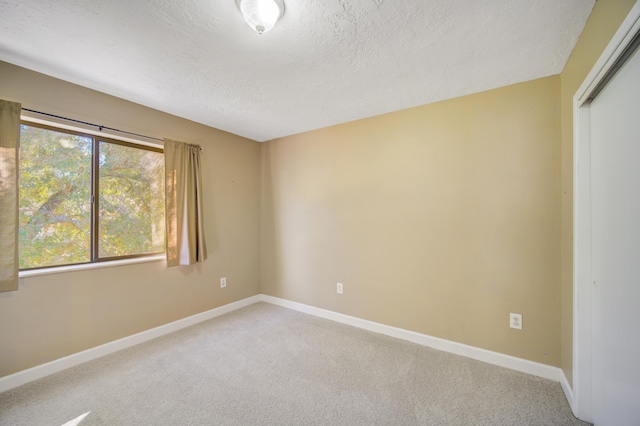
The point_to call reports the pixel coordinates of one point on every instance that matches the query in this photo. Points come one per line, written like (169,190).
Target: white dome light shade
(261,15)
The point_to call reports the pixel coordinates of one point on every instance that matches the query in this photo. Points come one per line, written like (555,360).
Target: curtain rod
(95,125)
(100,127)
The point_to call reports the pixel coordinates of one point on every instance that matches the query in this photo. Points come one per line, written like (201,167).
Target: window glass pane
(131,202)
(55,198)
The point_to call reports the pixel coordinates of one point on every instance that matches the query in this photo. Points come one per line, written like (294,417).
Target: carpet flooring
(267,365)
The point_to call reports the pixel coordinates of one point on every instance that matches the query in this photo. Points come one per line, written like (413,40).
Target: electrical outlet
(339,288)
(223,282)
(515,321)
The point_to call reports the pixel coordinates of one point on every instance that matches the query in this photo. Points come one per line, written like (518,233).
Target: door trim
(582,277)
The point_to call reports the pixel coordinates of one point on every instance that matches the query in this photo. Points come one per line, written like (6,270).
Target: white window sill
(71,268)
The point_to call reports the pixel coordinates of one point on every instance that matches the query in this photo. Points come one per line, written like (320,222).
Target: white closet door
(615,186)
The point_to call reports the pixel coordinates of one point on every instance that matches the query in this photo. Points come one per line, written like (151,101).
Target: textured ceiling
(326,62)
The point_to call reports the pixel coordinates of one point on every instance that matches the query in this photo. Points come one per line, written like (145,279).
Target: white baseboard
(40,371)
(507,361)
(568,392)
(502,360)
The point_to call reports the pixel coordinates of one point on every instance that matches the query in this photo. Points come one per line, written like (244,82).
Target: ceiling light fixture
(261,15)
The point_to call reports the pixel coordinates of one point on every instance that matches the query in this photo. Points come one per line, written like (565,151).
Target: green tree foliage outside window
(131,201)
(61,173)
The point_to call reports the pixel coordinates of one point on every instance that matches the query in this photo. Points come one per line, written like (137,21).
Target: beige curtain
(9,149)
(183,200)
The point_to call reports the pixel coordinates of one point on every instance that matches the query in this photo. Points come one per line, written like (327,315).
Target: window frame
(94,259)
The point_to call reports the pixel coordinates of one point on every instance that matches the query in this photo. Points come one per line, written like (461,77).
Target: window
(85,198)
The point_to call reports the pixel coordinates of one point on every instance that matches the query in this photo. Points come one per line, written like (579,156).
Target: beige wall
(55,315)
(440,219)
(606,17)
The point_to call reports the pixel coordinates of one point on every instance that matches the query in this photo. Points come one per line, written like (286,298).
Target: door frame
(582,274)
